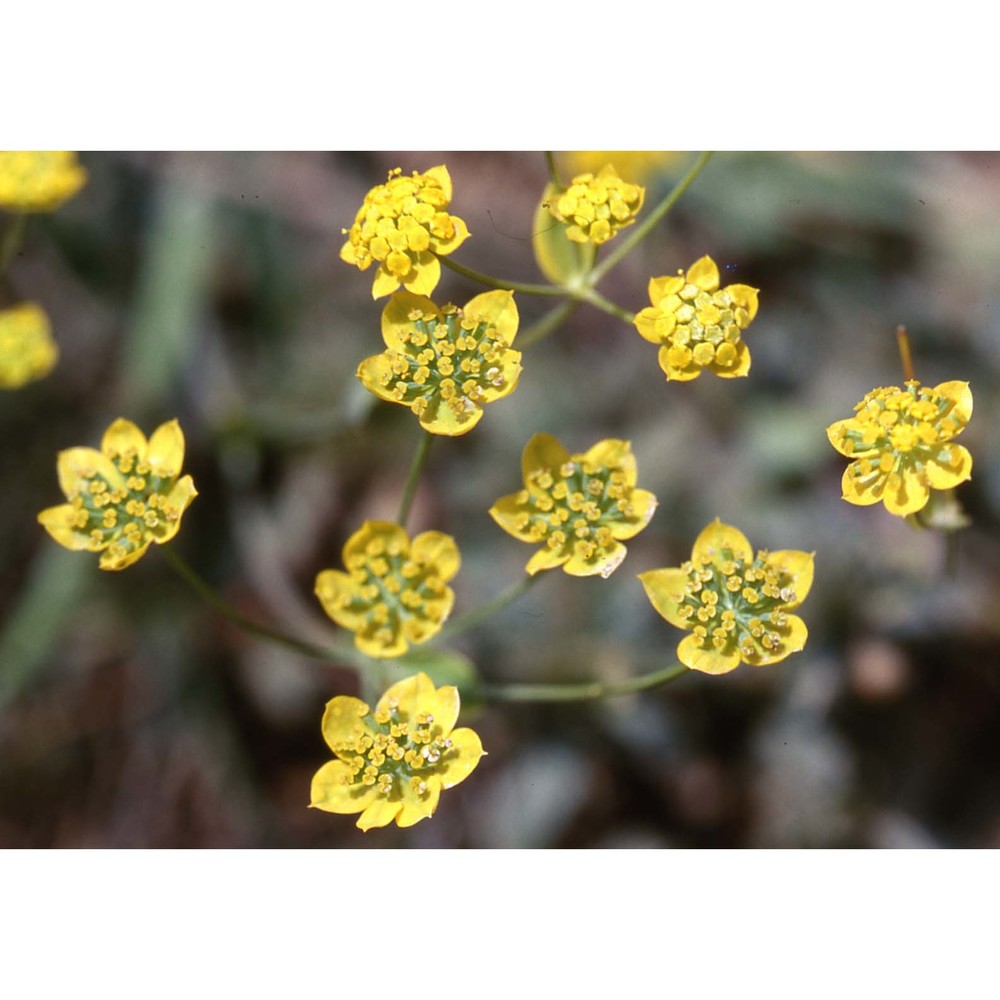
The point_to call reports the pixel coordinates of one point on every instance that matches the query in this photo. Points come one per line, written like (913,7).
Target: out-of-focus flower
(27,350)
(391,764)
(900,443)
(445,364)
(698,324)
(38,181)
(596,206)
(394,591)
(403,226)
(580,507)
(123,497)
(737,605)
(638,163)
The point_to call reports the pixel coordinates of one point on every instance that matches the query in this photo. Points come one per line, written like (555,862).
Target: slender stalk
(515,286)
(577,692)
(413,477)
(606,305)
(550,322)
(904,353)
(13,237)
(643,228)
(490,607)
(333,654)
(550,162)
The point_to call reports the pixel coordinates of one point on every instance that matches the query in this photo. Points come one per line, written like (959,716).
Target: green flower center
(395,753)
(731,604)
(392,591)
(452,362)
(124,518)
(570,508)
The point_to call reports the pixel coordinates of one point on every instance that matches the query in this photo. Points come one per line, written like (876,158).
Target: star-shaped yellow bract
(596,206)
(124,497)
(394,591)
(27,350)
(392,764)
(580,507)
(403,226)
(738,605)
(900,445)
(38,181)
(445,364)
(698,324)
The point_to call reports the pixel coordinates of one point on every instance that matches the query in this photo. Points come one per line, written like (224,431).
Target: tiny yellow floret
(38,181)
(123,497)
(404,227)
(698,325)
(737,605)
(27,350)
(445,364)
(596,206)
(900,445)
(394,591)
(392,764)
(579,507)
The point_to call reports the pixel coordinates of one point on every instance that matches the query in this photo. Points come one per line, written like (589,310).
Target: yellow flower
(579,506)
(38,181)
(393,763)
(900,443)
(404,227)
(597,206)
(637,163)
(445,364)
(27,350)
(737,605)
(394,591)
(698,324)
(124,496)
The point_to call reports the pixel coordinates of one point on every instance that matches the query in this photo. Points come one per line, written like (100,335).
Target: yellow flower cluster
(38,181)
(404,227)
(27,350)
(596,207)
(445,364)
(580,506)
(900,445)
(698,324)
(637,163)
(123,497)
(737,605)
(393,763)
(394,591)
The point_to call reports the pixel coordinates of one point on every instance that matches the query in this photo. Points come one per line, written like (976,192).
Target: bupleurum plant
(445,364)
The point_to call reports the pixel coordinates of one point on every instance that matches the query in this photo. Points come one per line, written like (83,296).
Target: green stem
(551,321)
(485,610)
(550,162)
(333,654)
(595,298)
(515,286)
(643,228)
(13,237)
(577,692)
(416,468)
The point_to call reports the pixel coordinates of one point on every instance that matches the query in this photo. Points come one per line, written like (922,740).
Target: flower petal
(370,373)
(333,790)
(385,282)
(461,761)
(435,548)
(343,722)
(708,661)
(509,512)
(497,309)
(442,419)
(705,274)
(460,235)
(165,454)
(606,562)
(396,317)
(75,465)
(112,560)
(793,638)
(381,811)
(643,505)
(718,542)
(947,475)
(441,175)
(666,590)
(796,569)
(425,274)
(417,807)
(123,436)
(543,451)
(645,323)
(335,591)
(409,696)
(389,534)
(545,559)
(613,454)
(660,288)
(745,296)
(179,497)
(60,522)
(736,370)
(907,496)
(837,435)
(960,396)
(858,492)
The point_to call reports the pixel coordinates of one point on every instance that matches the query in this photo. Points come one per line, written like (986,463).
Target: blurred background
(208,287)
